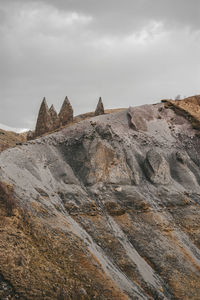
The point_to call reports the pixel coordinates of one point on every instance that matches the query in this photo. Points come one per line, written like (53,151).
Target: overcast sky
(130,52)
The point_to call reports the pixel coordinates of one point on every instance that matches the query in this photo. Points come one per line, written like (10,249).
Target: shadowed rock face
(66,112)
(105,209)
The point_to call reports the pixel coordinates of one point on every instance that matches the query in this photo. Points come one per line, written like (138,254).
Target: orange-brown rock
(10,139)
(100,108)
(66,112)
(188,107)
(44,121)
(54,118)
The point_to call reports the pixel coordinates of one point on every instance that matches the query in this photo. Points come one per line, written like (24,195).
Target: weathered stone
(100,108)
(30,135)
(66,112)
(121,241)
(44,121)
(157,168)
(54,117)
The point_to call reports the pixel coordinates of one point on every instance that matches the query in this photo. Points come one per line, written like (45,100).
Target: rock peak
(66,112)
(66,99)
(54,118)
(44,122)
(52,109)
(100,108)
(44,103)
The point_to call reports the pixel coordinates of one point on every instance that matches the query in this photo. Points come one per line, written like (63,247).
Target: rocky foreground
(108,208)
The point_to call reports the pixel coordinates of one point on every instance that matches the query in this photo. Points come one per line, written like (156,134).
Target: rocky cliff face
(105,209)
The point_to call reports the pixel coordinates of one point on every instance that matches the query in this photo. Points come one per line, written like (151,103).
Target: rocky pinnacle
(44,122)
(100,108)
(54,117)
(66,112)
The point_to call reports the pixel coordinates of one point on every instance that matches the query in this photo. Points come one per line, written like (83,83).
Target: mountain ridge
(107,208)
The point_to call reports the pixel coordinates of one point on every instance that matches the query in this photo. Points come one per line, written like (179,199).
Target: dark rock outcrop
(66,112)
(100,108)
(44,121)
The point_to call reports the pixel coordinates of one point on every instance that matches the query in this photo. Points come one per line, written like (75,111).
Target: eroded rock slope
(105,209)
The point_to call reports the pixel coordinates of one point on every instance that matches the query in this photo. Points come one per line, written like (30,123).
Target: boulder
(156,168)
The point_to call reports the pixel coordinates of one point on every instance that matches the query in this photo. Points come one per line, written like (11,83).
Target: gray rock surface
(157,168)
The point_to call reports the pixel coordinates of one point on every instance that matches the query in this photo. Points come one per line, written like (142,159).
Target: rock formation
(54,118)
(48,120)
(103,210)
(100,108)
(44,122)
(188,107)
(30,135)
(66,112)
(157,168)
(10,139)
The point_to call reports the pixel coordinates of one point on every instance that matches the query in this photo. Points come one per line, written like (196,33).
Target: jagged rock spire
(100,108)
(66,112)
(44,122)
(54,118)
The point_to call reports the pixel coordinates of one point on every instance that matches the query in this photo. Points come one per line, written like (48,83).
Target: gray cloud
(129,52)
